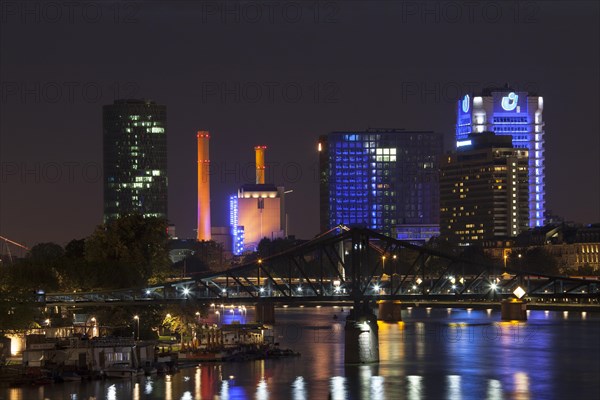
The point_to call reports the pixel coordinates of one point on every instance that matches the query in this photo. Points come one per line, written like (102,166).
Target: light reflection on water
(464,354)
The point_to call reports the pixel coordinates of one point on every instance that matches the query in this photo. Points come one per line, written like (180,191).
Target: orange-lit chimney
(203,186)
(260,164)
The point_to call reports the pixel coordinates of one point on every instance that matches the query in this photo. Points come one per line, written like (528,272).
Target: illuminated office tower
(484,191)
(135,159)
(379,178)
(516,114)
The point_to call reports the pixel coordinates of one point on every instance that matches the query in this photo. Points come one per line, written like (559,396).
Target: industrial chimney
(260,164)
(203,186)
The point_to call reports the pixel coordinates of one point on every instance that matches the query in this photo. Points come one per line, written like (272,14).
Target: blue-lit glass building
(505,111)
(379,178)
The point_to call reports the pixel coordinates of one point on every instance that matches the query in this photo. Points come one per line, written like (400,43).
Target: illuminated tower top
(260,164)
(506,111)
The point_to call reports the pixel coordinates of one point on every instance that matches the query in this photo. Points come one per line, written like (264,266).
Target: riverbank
(478,305)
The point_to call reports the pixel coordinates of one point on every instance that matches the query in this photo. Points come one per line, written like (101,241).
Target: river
(433,354)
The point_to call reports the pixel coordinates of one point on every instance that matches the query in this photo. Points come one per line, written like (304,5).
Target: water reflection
(136,391)
(461,355)
(168,387)
(414,387)
(494,390)
(298,389)
(262,391)
(521,386)
(148,387)
(454,391)
(338,388)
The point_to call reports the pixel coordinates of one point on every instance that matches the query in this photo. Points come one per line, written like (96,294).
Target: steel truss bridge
(350,264)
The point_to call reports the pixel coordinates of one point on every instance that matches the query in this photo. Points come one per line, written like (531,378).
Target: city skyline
(299,199)
(416,88)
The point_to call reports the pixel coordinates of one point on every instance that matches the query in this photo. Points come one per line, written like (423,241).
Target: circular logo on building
(509,102)
(466,103)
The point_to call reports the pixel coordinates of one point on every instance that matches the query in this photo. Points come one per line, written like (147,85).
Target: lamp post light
(137,318)
(93,319)
(493,288)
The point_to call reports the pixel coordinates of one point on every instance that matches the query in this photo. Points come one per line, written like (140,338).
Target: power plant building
(517,114)
(135,159)
(257,211)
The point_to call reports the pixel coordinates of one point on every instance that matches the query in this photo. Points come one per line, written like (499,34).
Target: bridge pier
(265,313)
(514,310)
(361,336)
(389,310)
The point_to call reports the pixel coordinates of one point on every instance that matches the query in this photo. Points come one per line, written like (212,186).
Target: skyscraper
(135,159)
(505,111)
(379,178)
(484,191)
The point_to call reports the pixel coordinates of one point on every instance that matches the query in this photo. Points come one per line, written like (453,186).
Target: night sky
(278,74)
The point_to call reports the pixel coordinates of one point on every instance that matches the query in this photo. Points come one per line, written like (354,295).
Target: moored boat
(120,370)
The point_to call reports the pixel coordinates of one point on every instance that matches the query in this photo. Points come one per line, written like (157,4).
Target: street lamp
(93,319)
(137,318)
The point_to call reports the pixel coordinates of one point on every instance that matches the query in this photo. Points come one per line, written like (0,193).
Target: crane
(7,241)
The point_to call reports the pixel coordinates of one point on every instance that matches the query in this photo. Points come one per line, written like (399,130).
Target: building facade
(135,159)
(484,191)
(260,213)
(379,178)
(505,111)
(257,211)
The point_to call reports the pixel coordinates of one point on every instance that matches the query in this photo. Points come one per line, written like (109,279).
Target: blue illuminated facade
(505,111)
(379,178)
(237,232)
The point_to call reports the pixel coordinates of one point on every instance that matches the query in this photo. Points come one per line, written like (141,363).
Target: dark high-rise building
(379,178)
(135,159)
(484,190)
